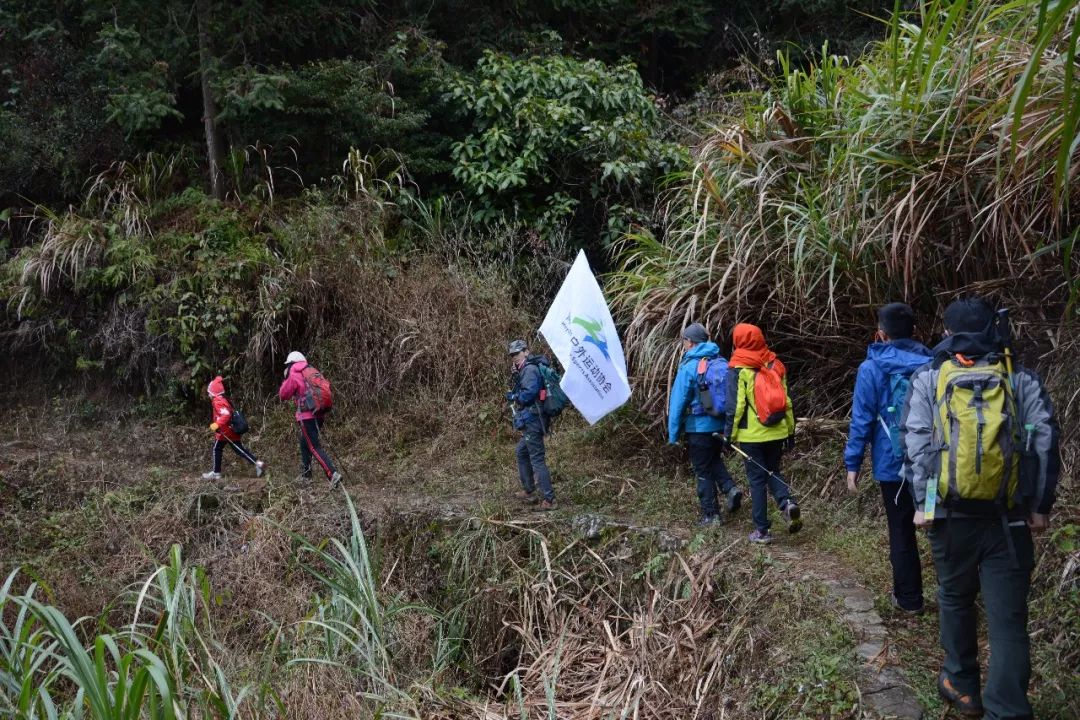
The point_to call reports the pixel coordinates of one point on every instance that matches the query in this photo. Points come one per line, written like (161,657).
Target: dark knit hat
(695,333)
(897,320)
(969,315)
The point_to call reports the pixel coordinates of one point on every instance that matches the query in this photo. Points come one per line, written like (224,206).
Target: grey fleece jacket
(1034,406)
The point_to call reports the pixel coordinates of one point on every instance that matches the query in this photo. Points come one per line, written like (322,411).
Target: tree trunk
(206,70)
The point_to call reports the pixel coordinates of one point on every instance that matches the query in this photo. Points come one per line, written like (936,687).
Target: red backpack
(770,398)
(318,397)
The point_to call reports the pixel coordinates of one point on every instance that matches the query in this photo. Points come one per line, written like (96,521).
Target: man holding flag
(525,401)
(579,329)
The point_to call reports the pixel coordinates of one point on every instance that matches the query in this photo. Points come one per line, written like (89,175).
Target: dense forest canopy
(83,84)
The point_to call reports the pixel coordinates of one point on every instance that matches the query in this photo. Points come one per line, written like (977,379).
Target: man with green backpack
(535,400)
(981,453)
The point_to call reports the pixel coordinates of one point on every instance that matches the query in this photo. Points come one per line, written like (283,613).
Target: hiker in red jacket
(223,432)
(311,392)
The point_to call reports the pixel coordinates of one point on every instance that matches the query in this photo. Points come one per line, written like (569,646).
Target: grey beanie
(695,333)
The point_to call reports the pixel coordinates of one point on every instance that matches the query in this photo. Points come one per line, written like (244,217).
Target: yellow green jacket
(742,420)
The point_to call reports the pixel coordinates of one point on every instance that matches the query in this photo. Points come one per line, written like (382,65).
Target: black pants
(903,547)
(972,556)
(765,479)
(712,475)
(532,465)
(219,447)
(310,447)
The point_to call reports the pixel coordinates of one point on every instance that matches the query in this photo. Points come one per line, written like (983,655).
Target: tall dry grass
(933,166)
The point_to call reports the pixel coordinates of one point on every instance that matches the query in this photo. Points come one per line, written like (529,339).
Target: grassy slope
(94,499)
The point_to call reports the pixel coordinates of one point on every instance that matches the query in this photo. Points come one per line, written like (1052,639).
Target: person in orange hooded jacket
(223,432)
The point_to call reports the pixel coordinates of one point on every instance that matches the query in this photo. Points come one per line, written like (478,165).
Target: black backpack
(238,422)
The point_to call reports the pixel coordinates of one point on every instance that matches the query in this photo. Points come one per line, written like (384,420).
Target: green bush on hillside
(554,136)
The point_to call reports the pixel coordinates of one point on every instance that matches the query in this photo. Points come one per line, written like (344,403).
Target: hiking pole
(745,456)
(333,454)
(1005,330)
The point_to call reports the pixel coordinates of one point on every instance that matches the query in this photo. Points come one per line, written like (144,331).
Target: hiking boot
(211,476)
(966,705)
(260,468)
(760,538)
(896,604)
(793,515)
(526,496)
(734,499)
(710,520)
(335,480)
(547,505)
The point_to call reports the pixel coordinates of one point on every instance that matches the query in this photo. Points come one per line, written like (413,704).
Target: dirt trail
(883,684)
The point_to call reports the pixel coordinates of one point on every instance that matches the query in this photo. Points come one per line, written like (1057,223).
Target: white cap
(295,357)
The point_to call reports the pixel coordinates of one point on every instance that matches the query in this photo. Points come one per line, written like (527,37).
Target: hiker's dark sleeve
(680,395)
(531,383)
(1037,410)
(863,415)
(731,402)
(917,433)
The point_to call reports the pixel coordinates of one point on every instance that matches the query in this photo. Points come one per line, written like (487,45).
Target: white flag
(579,329)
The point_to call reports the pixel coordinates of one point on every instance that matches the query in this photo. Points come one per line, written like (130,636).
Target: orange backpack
(770,398)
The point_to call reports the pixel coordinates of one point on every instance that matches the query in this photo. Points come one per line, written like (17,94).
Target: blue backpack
(712,385)
(899,383)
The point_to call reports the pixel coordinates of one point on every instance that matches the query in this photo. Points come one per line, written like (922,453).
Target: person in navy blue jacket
(880,391)
(530,421)
(687,416)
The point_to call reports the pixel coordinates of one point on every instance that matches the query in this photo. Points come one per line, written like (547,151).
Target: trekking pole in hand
(745,456)
(329,448)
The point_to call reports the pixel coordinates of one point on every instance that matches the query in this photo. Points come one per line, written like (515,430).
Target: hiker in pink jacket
(311,391)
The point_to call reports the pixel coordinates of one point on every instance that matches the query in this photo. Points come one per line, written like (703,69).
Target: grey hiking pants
(532,466)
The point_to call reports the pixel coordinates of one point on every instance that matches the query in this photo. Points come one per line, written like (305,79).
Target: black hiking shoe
(910,611)
(734,499)
(794,516)
(966,705)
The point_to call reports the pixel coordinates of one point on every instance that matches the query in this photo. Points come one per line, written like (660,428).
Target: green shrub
(553,134)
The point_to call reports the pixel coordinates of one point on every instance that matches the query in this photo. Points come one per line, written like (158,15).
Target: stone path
(883,686)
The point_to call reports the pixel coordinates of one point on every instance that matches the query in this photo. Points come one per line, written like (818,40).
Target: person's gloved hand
(214,427)
(725,444)
(789,443)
